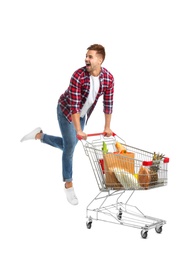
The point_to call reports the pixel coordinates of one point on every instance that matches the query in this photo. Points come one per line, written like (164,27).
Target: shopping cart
(132,169)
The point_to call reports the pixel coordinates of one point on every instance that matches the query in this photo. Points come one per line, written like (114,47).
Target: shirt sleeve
(108,97)
(75,94)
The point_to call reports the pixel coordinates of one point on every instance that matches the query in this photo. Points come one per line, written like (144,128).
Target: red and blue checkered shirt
(73,99)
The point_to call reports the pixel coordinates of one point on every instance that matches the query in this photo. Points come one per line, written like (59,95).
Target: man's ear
(100,60)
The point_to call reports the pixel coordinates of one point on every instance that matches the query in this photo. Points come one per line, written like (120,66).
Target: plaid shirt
(73,99)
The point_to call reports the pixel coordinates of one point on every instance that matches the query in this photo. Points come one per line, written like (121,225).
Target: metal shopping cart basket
(117,171)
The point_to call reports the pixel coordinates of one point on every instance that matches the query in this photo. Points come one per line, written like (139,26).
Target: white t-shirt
(94,88)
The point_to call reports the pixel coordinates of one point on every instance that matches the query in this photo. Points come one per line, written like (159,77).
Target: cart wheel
(89,225)
(144,233)
(119,215)
(158,229)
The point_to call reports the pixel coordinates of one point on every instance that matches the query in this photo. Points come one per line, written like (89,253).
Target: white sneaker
(31,135)
(71,196)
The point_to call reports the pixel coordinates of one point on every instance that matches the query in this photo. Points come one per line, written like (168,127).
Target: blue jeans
(66,143)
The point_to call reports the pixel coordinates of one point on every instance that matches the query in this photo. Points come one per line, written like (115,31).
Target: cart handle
(96,134)
(104,133)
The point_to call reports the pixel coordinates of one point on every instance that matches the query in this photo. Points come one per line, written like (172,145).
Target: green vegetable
(104,148)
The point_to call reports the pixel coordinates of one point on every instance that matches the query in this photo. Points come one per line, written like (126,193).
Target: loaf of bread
(120,147)
(144,177)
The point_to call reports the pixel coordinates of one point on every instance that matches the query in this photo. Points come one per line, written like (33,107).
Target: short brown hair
(99,48)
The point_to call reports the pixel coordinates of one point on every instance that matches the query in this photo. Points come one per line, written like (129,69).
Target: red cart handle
(96,134)
(113,134)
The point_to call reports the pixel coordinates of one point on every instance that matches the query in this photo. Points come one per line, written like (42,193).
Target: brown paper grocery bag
(111,181)
(112,160)
(122,161)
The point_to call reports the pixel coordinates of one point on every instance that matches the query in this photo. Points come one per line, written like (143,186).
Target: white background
(148,51)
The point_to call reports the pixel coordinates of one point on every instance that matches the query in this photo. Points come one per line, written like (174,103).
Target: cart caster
(158,229)
(144,234)
(119,215)
(88,225)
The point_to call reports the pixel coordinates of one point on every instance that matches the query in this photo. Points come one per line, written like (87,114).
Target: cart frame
(111,204)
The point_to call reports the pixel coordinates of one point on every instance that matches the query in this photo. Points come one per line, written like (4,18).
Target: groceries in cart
(126,167)
(118,167)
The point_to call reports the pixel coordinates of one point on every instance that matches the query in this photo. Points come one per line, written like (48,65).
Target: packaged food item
(119,147)
(128,180)
(144,177)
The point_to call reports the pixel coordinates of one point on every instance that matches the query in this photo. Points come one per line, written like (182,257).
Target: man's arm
(77,126)
(107,129)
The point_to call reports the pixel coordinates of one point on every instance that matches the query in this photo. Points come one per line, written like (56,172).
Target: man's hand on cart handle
(108,132)
(81,135)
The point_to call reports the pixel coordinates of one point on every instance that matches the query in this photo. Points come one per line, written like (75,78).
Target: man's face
(93,62)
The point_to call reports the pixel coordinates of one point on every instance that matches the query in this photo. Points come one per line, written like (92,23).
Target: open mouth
(88,65)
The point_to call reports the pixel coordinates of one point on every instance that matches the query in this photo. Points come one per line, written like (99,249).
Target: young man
(74,108)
